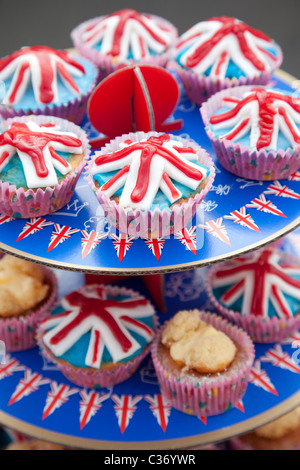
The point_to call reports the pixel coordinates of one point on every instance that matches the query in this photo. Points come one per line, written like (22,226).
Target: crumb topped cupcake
(125,37)
(260,292)
(202,362)
(223,52)
(41,160)
(27,293)
(281,434)
(255,131)
(98,335)
(47,81)
(149,184)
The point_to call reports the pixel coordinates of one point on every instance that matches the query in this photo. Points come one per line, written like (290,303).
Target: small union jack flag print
(34,225)
(262,204)
(217,229)
(280,358)
(60,234)
(121,243)
(161,409)
(89,241)
(188,237)
(5,218)
(57,396)
(279,189)
(260,378)
(242,218)
(125,407)
(295,176)
(11,366)
(29,384)
(90,404)
(155,245)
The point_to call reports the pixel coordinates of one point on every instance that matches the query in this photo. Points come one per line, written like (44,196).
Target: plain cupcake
(41,160)
(125,37)
(202,362)
(27,294)
(149,184)
(98,335)
(47,81)
(254,131)
(223,52)
(260,292)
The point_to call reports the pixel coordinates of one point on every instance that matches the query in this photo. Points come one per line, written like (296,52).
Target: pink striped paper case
(199,88)
(261,330)
(18,333)
(25,203)
(107,63)
(260,165)
(157,222)
(92,377)
(203,394)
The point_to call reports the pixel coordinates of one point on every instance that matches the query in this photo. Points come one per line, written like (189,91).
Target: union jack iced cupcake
(224,52)
(41,159)
(149,184)
(202,362)
(125,37)
(98,335)
(281,434)
(255,131)
(42,80)
(27,294)
(259,292)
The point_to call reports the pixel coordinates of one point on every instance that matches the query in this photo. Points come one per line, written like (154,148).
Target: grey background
(49,22)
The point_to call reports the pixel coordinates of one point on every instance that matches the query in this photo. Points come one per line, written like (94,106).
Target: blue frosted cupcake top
(149,173)
(99,324)
(260,118)
(225,47)
(39,76)
(263,284)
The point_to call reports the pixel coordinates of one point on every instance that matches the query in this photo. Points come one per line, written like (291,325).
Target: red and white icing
(127,31)
(93,309)
(39,66)
(264,113)
(37,146)
(259,279)
(216,42)
(147,166)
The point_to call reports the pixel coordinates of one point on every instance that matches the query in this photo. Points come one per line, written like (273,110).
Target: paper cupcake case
(151,223)
(210,395)
(260,330)
(95,378)
(107,64)
(260,165)
(18,333)
(24,203)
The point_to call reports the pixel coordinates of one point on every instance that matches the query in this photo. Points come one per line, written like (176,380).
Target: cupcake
(202,362)
(27,294)
(123,38)
(42,80)
(34,444)
(98,335)
(224,52)
(150,184)
(255,131)
(260,292)
(280,434)
(41,160)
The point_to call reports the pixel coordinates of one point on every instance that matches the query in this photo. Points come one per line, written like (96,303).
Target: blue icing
(14,174)
(293,303)
(282,142)
(77,353)
(130,56)
(160,201)
(83,82)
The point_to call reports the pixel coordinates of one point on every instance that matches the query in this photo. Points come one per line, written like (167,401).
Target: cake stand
(237,216)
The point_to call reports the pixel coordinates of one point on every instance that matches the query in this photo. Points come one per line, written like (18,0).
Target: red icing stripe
(19,80)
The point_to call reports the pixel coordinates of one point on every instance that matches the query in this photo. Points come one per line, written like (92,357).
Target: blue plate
(236,216)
